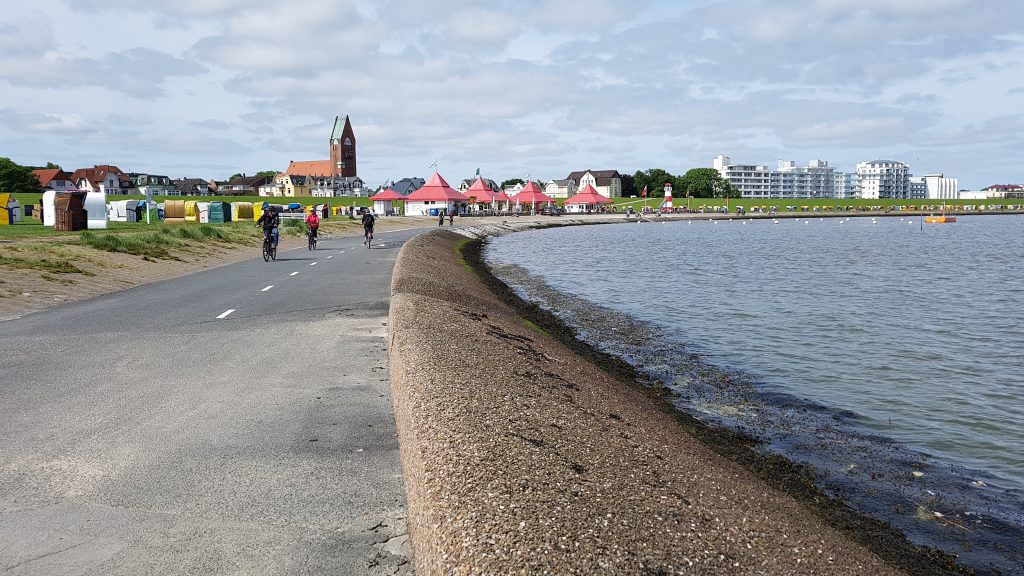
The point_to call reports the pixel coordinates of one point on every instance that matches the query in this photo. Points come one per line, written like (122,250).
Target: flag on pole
(477,172)
(643,193)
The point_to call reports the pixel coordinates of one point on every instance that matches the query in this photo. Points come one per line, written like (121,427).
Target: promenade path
(232,421)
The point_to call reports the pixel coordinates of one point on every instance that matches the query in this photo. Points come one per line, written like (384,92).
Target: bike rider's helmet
(266,206)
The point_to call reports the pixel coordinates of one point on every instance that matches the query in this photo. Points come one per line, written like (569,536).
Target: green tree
(628,188)
(513,182)
(17,178)
(706,183)
(654,179)
(266,174)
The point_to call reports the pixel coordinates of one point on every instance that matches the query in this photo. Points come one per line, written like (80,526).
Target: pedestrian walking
(440,218)
(451,218)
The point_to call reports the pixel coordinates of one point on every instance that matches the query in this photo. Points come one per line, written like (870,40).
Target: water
(888,356)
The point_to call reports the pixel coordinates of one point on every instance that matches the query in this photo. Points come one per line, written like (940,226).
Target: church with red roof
(343,155)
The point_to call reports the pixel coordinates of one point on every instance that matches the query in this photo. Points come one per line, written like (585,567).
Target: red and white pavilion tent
(384,201)
(481,195)
(585,199)
(436,195)
(531,194)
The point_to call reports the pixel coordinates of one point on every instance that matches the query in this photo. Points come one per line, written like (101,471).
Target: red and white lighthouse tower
(668,197)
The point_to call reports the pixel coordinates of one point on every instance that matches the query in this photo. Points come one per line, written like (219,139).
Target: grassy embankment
(28,245)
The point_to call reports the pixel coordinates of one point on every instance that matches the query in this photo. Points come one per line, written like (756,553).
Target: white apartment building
(884,179)
(816,180)
(846,185)
(938,187)
(751,180)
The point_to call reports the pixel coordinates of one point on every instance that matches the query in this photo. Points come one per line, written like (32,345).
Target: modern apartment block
(936,187)
(884,179)
(816,180)
(846,185)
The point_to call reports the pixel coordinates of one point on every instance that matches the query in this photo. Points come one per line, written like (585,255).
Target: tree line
(696,183)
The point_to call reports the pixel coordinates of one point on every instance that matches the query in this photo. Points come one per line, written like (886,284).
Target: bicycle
(269,248)
(367,237)
(311,234)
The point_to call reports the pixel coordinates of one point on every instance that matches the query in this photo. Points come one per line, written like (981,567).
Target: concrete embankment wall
(521,457)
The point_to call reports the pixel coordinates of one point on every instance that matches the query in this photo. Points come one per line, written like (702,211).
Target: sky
(529,88)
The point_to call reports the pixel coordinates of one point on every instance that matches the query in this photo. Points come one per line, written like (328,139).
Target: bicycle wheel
(311,243)
(273,252)
(266,252)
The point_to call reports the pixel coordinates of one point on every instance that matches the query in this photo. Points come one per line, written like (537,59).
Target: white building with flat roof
(938,187)
(815,180)
(884,179)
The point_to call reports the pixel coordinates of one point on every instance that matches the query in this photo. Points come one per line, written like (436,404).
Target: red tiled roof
(588,196)
(387,194)
(436,189)
(310,168)
(531,194)
(46,175)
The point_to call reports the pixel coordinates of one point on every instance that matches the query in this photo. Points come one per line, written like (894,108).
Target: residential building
(1005,191)
(191,187)
(241,186)
(55,179)
(466,183)
(294,185)
(104,178)
(334,186)
(560,188)
(815,180)
(342,161)
(152,184)
(751,180)
(407,186)
(608,183)
(270,188)
(884,179)
(846,185)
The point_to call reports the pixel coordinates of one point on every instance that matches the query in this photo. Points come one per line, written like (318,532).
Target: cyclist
(313,221)
(368,221)
(270,222)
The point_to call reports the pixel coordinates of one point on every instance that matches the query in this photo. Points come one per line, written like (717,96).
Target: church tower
(343,149)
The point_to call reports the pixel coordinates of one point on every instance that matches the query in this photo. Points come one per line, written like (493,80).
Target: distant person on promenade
(440,218)
(451,218)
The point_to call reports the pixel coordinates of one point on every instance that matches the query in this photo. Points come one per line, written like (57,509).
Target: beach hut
(586,200)
(49,217)
(96,210)
(203,212)
(241,211)
(10,209)
(174,211)
(191,211)
(434,197)
(384,201)
(220,212)
(69,211)
(530,194)
(120,210)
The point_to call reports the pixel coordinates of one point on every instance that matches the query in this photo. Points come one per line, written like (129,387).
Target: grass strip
(44,264)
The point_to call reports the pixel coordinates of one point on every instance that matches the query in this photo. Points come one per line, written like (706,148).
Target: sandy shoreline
(525,450)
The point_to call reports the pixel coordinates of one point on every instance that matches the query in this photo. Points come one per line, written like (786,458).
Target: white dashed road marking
(312,263)
(267,288)
(293,273)
(329,257)
(225,314)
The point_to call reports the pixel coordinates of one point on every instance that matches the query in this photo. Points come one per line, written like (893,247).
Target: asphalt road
(233,421)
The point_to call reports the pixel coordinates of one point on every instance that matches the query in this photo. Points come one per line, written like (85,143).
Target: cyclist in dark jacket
(368,221)
(270,222)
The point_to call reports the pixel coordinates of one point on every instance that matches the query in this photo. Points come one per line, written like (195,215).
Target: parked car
(551,211)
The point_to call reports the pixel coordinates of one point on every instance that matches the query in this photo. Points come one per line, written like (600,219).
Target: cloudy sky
(207,88)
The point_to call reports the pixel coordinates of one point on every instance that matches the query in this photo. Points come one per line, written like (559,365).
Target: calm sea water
(898,346)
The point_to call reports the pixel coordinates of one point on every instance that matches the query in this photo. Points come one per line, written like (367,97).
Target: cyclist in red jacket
(313,221)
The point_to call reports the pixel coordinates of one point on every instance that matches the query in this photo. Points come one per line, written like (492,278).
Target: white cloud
(542,85)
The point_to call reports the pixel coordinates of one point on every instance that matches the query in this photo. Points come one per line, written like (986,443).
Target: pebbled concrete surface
(521,457)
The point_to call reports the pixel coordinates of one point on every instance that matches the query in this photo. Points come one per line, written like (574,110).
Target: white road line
(329,257)
(267,288)
(312,263)
(225,314)
(293,273)
(341,251)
